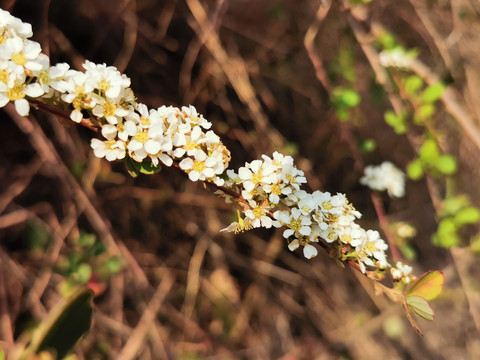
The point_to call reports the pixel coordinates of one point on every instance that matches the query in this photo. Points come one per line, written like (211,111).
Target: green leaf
(396,121)
(146,167)
(452,205)
(446,164)
(429,286)
(2,355)
(424,112)
(368,145)
(84,272)
(85,239)
(409,315)
(432,93)
(469,215)
(65,325)
(413,84)
(131,168)
(345,97)
(429,152)
(415,169)
(420,306)
(114,264)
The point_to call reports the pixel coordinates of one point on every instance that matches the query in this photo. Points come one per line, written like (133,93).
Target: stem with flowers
(267,192)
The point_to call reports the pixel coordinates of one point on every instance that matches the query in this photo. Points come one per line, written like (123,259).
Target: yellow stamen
(19,59)
(16,92)
(141,137)
(198,166)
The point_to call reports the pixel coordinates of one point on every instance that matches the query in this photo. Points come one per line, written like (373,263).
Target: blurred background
(300,77)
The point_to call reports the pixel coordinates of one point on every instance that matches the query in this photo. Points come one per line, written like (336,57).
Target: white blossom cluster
(272,196)
(402,272)
(102,93)
(396,57)
(268,190)
(385,176)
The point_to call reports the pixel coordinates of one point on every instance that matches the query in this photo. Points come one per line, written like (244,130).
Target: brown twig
(138,336)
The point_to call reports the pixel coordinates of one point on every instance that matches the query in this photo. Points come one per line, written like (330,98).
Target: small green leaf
(65,325)
(429,286)
(345,97)
(452,205)
(424,112)
(368,145)
(409,315)
(85,239)
(469,215)
(84,272)
(114,264)
(446,164)
(432,93)
(396,121)
(131,168)
(420,306)
(413,84)
(429,152)
(415,169)
(146,167)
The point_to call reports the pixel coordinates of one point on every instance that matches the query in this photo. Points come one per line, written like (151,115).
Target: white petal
(309,251)
(22,107)
(34,90)
(294,245)
(152,147)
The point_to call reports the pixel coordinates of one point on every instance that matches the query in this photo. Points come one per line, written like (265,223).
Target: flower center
(43,77)
(104,85)
(109,109)
(16,92)
(198,166)
(110,144)
(141,137)
(190,145)
(145,121)
(295,225)
(276,189)
(258,211)
(19,59)
(3,76)
(327,205)
(256,178)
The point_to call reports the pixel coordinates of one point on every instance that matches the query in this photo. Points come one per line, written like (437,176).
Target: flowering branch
(266,191)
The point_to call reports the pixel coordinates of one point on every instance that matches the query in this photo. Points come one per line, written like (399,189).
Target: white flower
(258,214)
(309,251)
(11,26)
(107,79)
(395,58)
(23,53)
(385,177)
(199,168)
(402,272)
(17,94)
(295,221)
(109,149)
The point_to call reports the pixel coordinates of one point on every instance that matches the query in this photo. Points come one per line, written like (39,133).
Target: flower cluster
(403,273)
(396,57)
(385,176)
(268,190)
(271,196)
(102,93)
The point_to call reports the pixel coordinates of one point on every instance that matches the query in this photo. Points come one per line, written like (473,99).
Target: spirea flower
(385,176)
